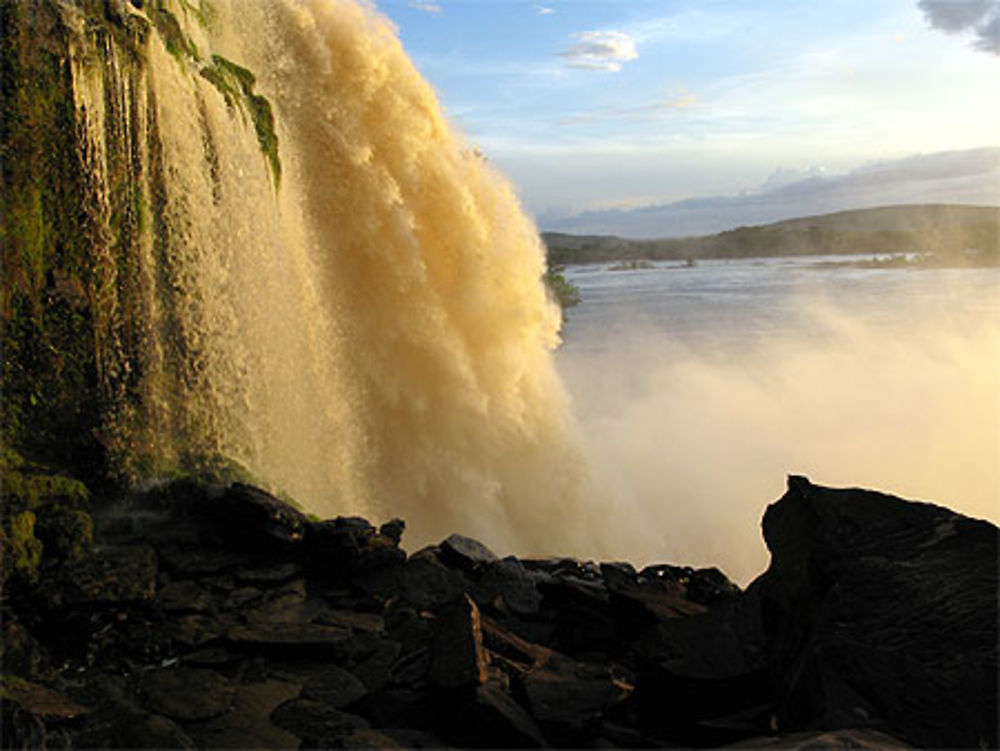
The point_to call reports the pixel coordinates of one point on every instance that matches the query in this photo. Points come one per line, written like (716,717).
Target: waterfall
(356,316)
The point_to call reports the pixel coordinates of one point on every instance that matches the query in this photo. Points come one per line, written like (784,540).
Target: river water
(696,390)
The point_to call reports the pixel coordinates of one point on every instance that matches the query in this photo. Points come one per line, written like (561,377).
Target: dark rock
(465,553)
(585,625)
(349,545)
(854,739)
(428,583)
(276,573)
(364,738)
(317,724)
(881,613)
(151,731)
(369,623)
(457,656)
(333,686)
(508,579)
(704,680)
(196,630)
(184,597)
(38,700)
(490,718)
(257,521)
(570,699)
(185,561)
(187,693)
(704,586)
(393,529)
(375,671)
(249,724)
(292,639)
(109,575)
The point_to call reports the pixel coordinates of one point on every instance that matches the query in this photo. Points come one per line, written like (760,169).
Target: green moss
(22,551)
(178,44)
(66,533)
(236,84)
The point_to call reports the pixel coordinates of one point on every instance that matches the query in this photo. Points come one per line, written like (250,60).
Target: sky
(597,105)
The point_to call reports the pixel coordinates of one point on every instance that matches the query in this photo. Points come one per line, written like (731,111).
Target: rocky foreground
(220,617)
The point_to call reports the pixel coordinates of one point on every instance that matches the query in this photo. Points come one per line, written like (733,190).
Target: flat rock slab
(38,700)
(465,553)
(187,693)
(249,724)
(334,686)
(315,722)
(312,638)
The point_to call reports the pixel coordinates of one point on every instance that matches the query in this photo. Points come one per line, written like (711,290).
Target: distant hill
(950,233)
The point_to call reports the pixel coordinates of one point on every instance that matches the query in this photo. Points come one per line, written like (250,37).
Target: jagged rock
(569,699)
(249,724)
(705,680)
(881,613)
(187,693)
(333,686)
(584,619)
(393,529)
(704,586)
(490,718)
(350,545)
(109,575)
(258,521)
(509,579)
(457,656)
(428,583)
(375,671)
(316,723)
(465,553)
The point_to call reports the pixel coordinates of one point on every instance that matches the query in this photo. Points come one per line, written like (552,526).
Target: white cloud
(426,7)
(543,11)
(601,50)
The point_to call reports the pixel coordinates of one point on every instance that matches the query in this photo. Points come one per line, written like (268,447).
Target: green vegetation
(236,84)
(44,517)
(564,293)
(943,235)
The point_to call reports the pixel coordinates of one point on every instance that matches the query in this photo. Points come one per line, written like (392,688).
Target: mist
(688,442)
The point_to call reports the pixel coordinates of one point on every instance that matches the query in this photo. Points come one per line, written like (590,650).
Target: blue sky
(597,104)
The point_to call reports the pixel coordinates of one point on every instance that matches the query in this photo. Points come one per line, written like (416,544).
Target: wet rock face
(874,626)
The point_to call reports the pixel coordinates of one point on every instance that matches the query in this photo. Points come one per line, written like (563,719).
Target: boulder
(881,613)
(464,553)
(256,520)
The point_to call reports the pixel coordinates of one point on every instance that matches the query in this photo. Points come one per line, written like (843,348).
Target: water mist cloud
(687,447)
(980,17)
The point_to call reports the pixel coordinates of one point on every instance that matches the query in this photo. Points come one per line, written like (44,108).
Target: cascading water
(361,320)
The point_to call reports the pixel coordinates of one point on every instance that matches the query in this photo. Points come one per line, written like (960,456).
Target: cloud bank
(600,50)
(979,17)
(969,176)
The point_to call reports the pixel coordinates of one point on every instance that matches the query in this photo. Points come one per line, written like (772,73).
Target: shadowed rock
(457,656)
(881,613)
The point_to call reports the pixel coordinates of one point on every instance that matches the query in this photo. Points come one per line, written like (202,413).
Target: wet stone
(457,656)
(187,693)
(334,686)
